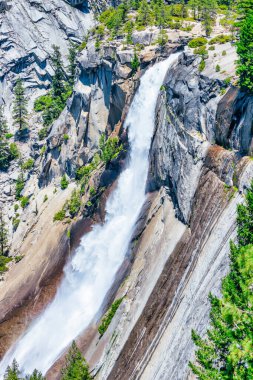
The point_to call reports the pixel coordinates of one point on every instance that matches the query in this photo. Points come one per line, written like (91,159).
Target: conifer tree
(72,62)
(76,367)
(144,13)
(4,146)
(208,14)
(245,52)
(3,236)
(20,106)
(12,372)
(226,352)
(59,75)
(36,375)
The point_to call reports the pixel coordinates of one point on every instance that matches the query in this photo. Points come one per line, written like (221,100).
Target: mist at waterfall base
(90,272)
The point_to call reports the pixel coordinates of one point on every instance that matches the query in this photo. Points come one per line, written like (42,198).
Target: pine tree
(59,75)
(72,62)
(208,14)
(36,375)
(76,367)
(245,7)
(4,146)
(144,13)
(12,372)
(20,106)
(195,5)
(226,352)
(245,52)
(3,236)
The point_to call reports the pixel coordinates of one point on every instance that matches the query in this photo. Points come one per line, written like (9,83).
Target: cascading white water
(90,273)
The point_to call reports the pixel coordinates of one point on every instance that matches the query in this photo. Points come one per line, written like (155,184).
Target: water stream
(90,273)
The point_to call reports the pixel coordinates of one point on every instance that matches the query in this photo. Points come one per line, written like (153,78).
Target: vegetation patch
(106,320)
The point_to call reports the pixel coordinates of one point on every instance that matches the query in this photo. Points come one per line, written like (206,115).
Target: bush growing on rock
(59,216)
(20,184)
(110,148)
(28,164)
(201,51)
(202,65)
(221,39)
(109,316)
(197,42)
(24,201)
(64,182)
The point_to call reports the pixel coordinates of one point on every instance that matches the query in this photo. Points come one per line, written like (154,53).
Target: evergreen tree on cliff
(3,236)
(20,106)
(76,367)
(58,88)
(227,352)
(4,147)
(245,46)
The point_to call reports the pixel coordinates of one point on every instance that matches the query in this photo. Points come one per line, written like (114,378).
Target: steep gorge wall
(204,182)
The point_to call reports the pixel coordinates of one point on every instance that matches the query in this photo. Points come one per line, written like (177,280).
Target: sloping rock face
(28,29)
(203,182)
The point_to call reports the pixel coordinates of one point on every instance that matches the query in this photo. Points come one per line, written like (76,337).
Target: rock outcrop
(203,182)
(28,29)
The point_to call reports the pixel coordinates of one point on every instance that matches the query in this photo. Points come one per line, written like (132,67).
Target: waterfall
(90,272)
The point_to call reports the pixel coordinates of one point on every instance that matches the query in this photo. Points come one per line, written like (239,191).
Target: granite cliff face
(28,29)
(197,182)
(199,170)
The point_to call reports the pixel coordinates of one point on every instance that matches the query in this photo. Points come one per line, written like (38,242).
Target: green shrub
(20,184)
(65,137)
(43,102)
(16,207)
(84,171)
(110,148)
(14,152)
(212,48)
(59,216)
(64,182)
(92,191)
(82,46)
(28,164)
(201,51)
(15,222)
(74,203)
(106,320)
(221,39)
(3,263)
(24,201)
(197,42)
(202,65)
(43,132)
(227,81)
(45,198)
(43,150)
(8,136)
(18,258)
(224,53)
(217,68)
